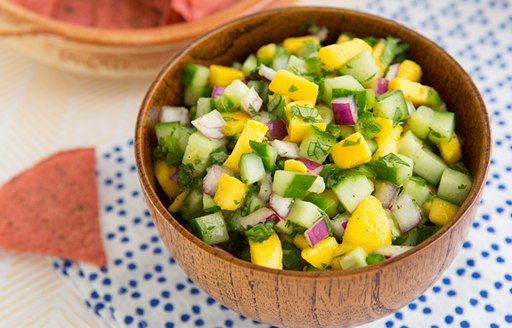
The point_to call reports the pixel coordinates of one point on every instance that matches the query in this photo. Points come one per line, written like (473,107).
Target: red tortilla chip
(43,7)
(197,9)
(52,208)
(130,14)
(75,11)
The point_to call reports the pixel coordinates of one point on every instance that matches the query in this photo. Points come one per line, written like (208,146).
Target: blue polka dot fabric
(141,286)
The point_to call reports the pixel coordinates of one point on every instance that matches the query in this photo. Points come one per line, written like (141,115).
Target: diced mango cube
(351,152)
(426,207)
(253,130)
(223,75)
(300,241)
(176,205)
(416,92)
(388,143)
(295,166)
(230,192)
(320,256)
(386,126)
(266,52)
(163,174)
(450,150)
(296,125)
(377,51)
(344,37)
(267,253)
(235,122)
(368,227)
(441,211)
(409,70)
(336,55)
(296,44)
(293,86)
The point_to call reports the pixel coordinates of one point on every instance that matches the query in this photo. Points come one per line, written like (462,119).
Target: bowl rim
(153,199)
(38,24)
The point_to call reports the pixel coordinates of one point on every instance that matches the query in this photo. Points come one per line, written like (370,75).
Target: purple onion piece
(281,205)
(217,91)
(313,167)
(344,110)
(316,232)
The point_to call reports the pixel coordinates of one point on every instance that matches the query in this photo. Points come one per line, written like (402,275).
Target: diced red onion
(344,110)
(406,212)
(410,107)
(261,215)
(211,179)
(338,225)
(381,86)
(175,176)
(276,127)
(318,186)
(386,192)
(322,33)
(247,79)
(266,188)
(281,205)
(389,251)
(267,72)
(217,91)
(286,148)
(175,114)
(392,71)
(251,102)
(210,124)
(316,232)
(313,167)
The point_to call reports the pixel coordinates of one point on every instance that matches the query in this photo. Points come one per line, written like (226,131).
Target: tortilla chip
(52,208)
(43,7)
(197,9)
(130,14)
(75,11)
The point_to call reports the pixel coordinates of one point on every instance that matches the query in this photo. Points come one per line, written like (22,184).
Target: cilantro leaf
(261,232)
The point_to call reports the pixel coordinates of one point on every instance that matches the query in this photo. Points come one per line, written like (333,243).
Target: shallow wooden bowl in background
(315,299)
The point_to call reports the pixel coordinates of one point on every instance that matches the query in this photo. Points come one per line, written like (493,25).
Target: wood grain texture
(315,299)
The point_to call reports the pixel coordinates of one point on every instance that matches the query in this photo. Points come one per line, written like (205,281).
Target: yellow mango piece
(344,37)
(368,227)
(253,130)
(321,255)
(441,211)
(416,92)
(409,70)
(230,192)
(268,253)
(235,122)
(266,52)
(388,143)
(377,51)
(336,55)
(223,75)
(178,202)
(295,166)
(296,126)
(426,207)
(296,44)
(351,152)
(450,150)
(293,86)
(163,173)
(300,241)
(386,126)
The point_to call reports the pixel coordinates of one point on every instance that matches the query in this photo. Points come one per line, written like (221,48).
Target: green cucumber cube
(355,259)
(204,106)
(454,186)
(428,165)
(317,145)
(420,121)
(198,150)
(192,205)
(352,190)
(250,64)
(362,67)
(442,126)
(410,144)
(192,94)
(393,168)
(196,75)
(418,189)
(209,205)
(210,228)
(266,152)
(391,105)
(235,92)
(304,214)
(346,82)
(324,202)
(251,168)
(297,65)
(292,184)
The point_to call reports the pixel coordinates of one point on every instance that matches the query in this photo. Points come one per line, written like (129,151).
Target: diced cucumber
(370,98)
(304,214)
(420,121)
(318,186)
(297,65)
(367,126)
(316,145)
(192,205)
(204,106)
(192,94)
(266,152)
(355,259)
(198,150)
(280,60)
(346,82)
(362,67)
(393,168)
(196,75)
(261,88)
(418,189)
(395,228)
(250,64)
(360,97)
(172,141)
(428,165)
(454,186)
(292,184)
(442,126)
(209,205)
(252,203)
(326,113)
(410,144)
(406,212)
(372,144)
(210,228)
(251,168)
(224,105)
(391,105)
(352,190)
(235,92)
(324,202)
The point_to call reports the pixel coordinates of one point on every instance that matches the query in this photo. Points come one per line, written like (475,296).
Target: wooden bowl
(315,299)
(108,52)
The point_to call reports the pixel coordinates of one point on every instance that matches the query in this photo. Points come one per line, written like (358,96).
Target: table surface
(44,110)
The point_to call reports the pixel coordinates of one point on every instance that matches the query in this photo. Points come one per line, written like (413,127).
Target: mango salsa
(334,56)
(230,192)
(268,253)
(351,152)
(296,44)
(294,87)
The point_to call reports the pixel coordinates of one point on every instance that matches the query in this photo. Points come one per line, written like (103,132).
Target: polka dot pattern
(142,286)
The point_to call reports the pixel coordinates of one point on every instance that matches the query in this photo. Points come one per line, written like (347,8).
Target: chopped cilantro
(308,114)
(462,186)
(348,143)
(293,88)
(373,258)
(261,232)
